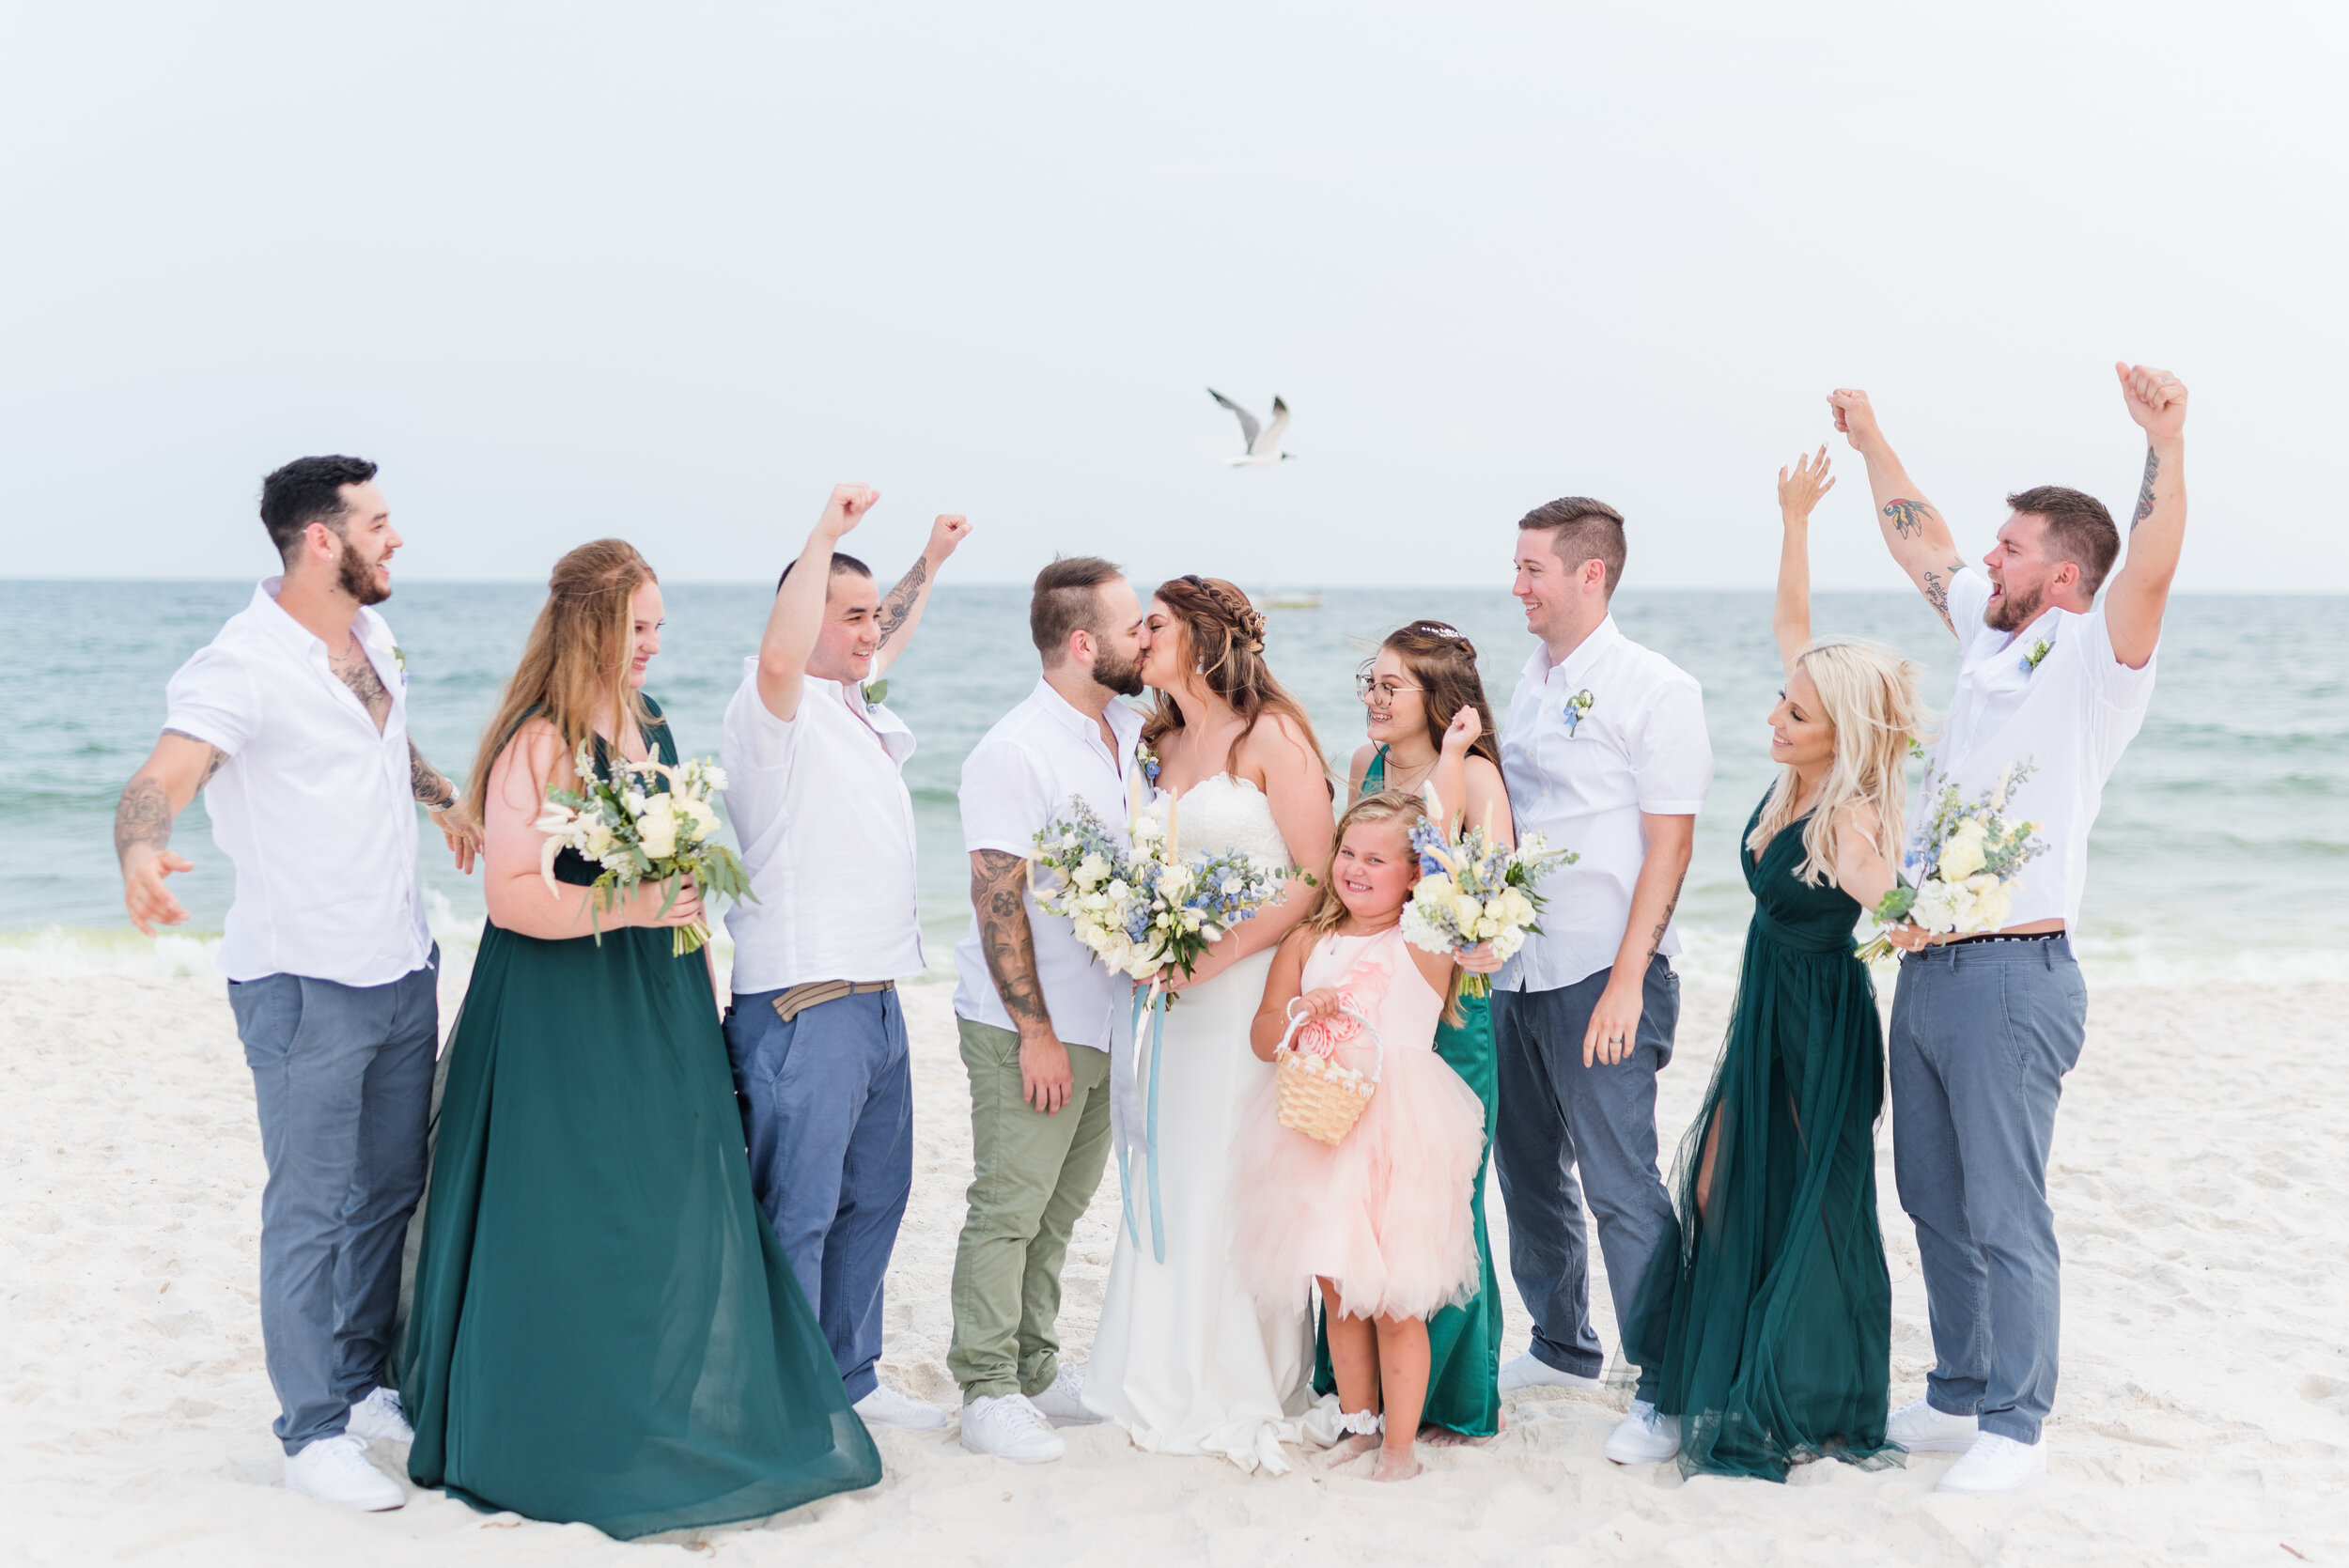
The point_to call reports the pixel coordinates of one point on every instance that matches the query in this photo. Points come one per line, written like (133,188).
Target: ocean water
(2222,848)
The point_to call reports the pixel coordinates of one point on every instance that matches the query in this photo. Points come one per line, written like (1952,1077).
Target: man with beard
(1985,1027)
(295,718)
(1035,1012)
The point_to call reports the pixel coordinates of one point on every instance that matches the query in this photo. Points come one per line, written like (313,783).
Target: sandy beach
(2200,1180)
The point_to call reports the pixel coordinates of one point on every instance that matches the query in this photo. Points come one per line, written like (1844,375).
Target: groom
(1984,1028)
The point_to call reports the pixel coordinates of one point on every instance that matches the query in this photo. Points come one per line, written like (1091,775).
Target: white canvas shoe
(378,1419)
(1997,1464)
(1010,1428)
(1920,1429)
(1525,1372)
(1063,1403)
(336,1470)
(1645,1437)
(886,1406)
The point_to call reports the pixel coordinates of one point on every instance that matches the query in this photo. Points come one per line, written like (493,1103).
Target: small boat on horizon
(1309,599)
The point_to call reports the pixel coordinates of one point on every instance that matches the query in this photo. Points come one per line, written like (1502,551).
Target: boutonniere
(1147,760)
(876,693)
(400,658)
(1578,708)
(2037,651)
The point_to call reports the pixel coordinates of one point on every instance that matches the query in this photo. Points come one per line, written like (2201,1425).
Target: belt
(2003,937)
(1801,942)
(796,1000)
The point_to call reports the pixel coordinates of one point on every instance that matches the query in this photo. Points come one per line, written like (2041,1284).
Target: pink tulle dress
(1384,1214)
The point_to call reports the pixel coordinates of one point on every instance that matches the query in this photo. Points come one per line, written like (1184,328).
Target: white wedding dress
(1182,1360)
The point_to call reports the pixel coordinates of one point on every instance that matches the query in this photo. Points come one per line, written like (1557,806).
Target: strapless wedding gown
(1183,1360)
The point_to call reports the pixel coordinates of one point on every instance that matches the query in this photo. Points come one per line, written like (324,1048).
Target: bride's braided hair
(1223,639)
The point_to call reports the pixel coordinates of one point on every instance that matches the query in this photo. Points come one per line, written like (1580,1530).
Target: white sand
(2199,1182)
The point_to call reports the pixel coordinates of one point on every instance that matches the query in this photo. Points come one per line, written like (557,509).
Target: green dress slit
(1770,1321)
(1463,1341)
(604,1326)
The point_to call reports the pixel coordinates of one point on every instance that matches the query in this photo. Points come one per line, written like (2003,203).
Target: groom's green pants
(1032,1175)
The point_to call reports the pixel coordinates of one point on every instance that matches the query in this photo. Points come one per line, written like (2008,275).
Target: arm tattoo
(1656,938)
(211,765)
(425,782)
(998,888)
(2145,491)
(1938,595)
(1908,517)
(901,599)
(143,818)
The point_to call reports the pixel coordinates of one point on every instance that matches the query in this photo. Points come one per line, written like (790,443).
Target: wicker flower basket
(1313,1095)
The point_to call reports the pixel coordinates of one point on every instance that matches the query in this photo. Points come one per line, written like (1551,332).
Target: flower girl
(1379,1219)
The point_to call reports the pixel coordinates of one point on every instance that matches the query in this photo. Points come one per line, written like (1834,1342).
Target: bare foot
(1391,1466)
(1444,1437)
(1347,1450)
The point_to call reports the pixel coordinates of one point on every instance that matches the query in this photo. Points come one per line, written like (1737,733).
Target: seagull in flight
(1264,444)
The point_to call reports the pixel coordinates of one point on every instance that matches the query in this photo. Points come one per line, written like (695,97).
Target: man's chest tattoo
(359,675)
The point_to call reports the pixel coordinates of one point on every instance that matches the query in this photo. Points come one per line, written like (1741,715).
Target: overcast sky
(668,272)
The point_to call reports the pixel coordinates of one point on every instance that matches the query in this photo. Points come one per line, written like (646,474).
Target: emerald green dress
(1770,1323)
(1463,1341)
(604,1328)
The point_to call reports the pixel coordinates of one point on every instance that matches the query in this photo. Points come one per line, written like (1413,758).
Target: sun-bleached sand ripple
(2200,1179)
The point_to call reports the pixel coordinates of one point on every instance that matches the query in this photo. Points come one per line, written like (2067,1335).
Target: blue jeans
(1558,1117)
(342,1076)
(828,1109)
(1982,1033)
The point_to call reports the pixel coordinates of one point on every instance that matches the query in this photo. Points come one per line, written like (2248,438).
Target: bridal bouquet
(639,833)
(1146,908)
(1475,889)
(1967,861)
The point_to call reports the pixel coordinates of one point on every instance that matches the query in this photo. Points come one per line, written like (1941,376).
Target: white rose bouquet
(1473,890)
(640,832)
(1145,908)
(1965,864)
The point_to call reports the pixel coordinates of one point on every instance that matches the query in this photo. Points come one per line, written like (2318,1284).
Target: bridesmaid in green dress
(1768,1312)
(1423,677)
(604,1326)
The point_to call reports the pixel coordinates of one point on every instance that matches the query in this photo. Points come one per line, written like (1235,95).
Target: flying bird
(1264,444)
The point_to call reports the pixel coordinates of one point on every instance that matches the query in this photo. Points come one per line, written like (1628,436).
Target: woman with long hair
(1183,1359)
(1766,1314)
(605,1328)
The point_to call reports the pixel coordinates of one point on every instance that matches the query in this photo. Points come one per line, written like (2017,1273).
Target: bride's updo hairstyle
(574,666)
(1870,697)
(1223,639)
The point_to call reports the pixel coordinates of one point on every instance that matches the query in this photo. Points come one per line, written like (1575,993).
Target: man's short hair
(307,490)
(2079,530)
(1067,599)
(1581,529)
(842,566)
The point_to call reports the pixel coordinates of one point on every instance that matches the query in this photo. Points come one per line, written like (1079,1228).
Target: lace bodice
(1224,813)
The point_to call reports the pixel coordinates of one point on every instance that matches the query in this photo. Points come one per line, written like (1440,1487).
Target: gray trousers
(342,1076)
(1558,1117)
(1982,1033)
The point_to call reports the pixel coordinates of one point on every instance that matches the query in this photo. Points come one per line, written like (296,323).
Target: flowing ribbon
(1155,999)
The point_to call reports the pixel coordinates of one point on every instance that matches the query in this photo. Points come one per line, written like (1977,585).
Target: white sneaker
(1063,1403)
(1525,1372)
(336,1470)
(886,1406)
(1997,1464)
(378,1419)
(1920,1429)
(1008,1426)
(1645,1437)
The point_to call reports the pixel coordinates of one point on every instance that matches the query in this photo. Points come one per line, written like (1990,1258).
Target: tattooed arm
(901,612)
(998,882)
(2140,589)
(1615,1021)
(447,807)
(1919,538)
(180,765)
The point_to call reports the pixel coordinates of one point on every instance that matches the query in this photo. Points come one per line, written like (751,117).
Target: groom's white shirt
(313,807)
(1025,772)
(2071,716)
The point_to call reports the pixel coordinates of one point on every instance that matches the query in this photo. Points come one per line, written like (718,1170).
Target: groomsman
(1985,1028)
(1035,1010)
(1605,751)
(294,718)
(815,789)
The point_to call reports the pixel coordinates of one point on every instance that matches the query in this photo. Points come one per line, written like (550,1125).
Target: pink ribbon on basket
(1362,990)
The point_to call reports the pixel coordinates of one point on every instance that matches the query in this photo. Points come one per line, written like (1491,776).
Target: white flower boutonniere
(876,693)
(2031,659)
(1578,708)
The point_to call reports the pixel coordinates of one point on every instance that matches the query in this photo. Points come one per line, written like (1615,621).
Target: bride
(1182,1360)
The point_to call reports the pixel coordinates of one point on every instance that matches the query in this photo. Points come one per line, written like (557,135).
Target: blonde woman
(1767,1316)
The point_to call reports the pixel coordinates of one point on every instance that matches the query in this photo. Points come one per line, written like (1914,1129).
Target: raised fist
(1855,417)
(950,530)
(846,509)
(2155,399)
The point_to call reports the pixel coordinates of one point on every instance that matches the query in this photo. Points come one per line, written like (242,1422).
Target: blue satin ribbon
(1157,1000)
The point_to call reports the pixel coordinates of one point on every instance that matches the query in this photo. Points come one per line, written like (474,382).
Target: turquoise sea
(2223,846)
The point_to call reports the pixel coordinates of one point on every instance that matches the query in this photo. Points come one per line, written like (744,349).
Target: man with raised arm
(1985,1027)
(294,718)
(816,788)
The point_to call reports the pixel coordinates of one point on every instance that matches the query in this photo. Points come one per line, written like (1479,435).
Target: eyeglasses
(1381,694)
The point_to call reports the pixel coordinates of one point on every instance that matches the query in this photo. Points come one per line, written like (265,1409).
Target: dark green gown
(1770,1323)
(605,1328)
(1463,1341)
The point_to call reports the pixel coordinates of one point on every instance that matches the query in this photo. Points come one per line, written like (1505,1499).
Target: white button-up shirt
(820,805)
(2071,717)
(1581,773)
(313,806)
(1023,774)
